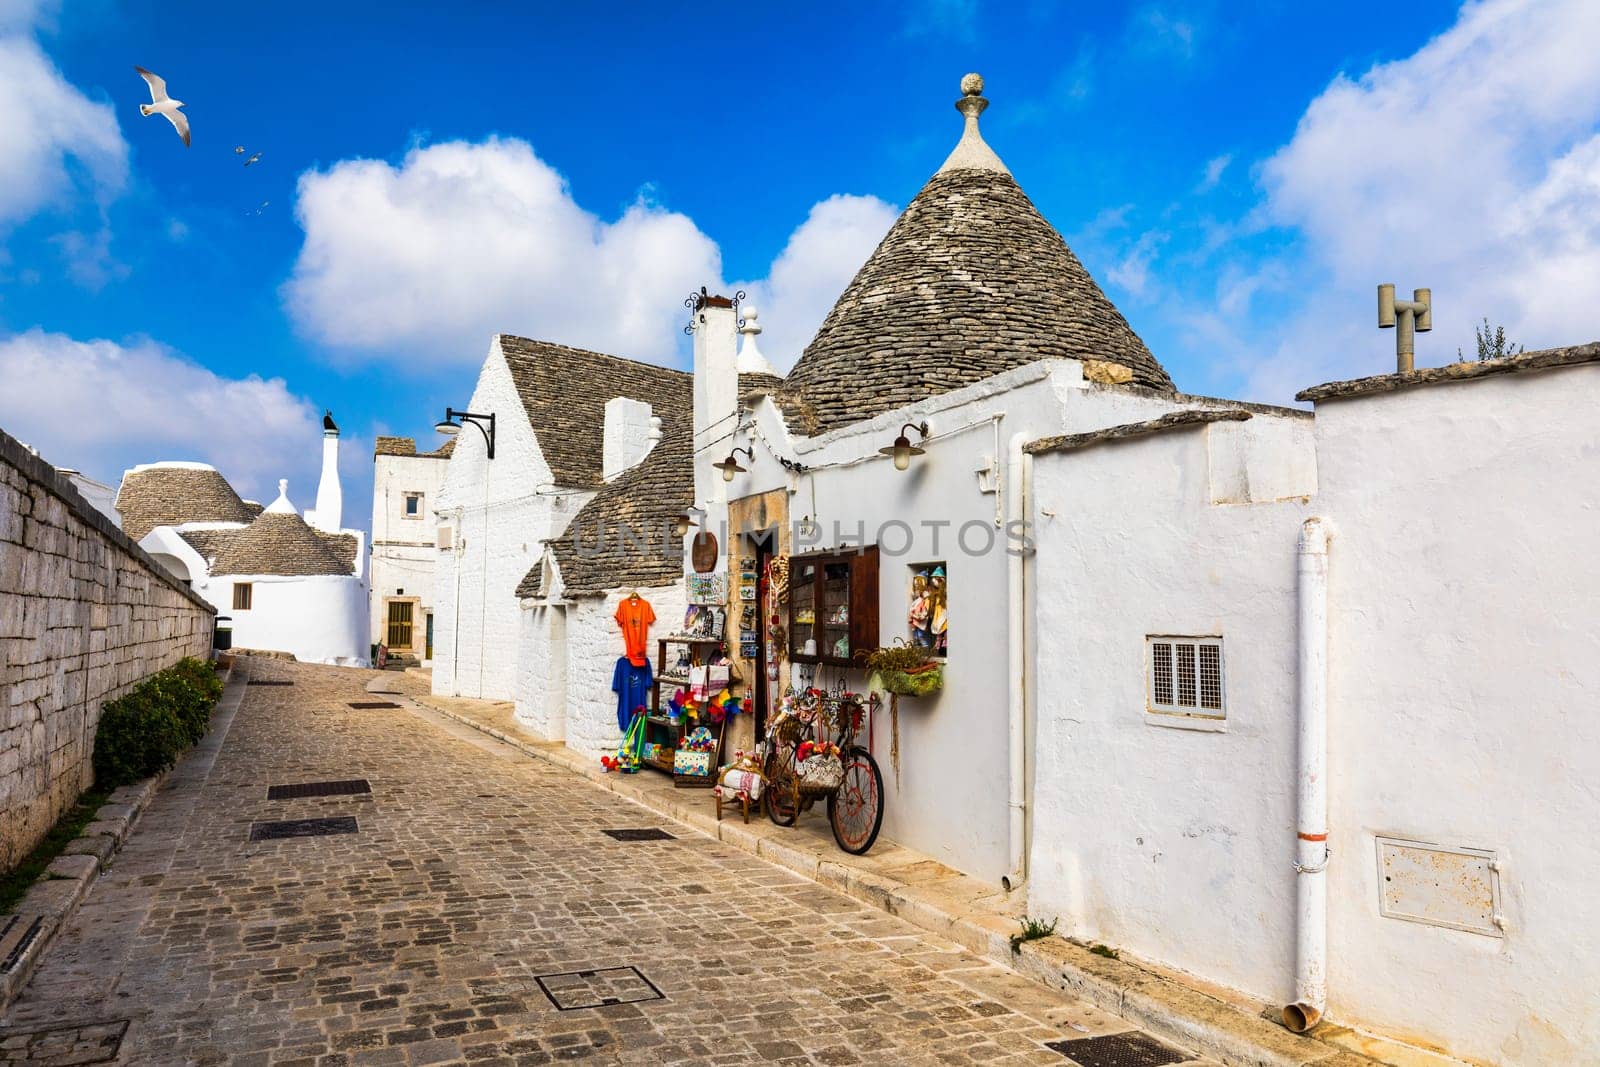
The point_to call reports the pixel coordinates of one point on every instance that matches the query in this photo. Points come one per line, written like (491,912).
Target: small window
(413,505)
(1185,677)
(241,595)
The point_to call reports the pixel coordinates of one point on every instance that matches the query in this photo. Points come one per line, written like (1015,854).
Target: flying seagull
(253,159)
(162,104)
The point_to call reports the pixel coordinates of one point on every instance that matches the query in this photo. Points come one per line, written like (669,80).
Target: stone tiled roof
(281,543)
(208,542)
(645,499)
(565,390)
(406,446)
(1543,359)
(796,412)
(168,494)
(394,446)
(1173,420)
(969,282)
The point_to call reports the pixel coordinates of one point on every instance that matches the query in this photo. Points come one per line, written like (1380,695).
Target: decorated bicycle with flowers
(812,753)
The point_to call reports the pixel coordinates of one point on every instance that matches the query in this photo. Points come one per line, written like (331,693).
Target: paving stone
(476,870)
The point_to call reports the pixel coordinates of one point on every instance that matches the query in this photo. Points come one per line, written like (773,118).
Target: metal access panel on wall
(1440,885)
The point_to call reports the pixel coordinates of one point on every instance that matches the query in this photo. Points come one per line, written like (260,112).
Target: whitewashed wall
(1463,698)
(404,549)
(950,800)
(542,669)
(594,644)
(501,512)
(1172,843)
(319,619)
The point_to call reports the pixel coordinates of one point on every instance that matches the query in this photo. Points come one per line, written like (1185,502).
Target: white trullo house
(283,581)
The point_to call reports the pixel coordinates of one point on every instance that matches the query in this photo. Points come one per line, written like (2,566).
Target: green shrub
(144,731)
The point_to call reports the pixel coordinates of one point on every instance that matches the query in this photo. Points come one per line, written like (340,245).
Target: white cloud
(1212,174)
(163,407)
(464,240)
(460,241)
(54,140)
(1471,167)
(821,257)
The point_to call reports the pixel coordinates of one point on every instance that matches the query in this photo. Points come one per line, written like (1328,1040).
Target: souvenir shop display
(703,620)
(928,616)
(633,682)
(740,782)
(832,606)
(708,588)
(631,751)
(812,754)
(691,689)
(901,669)
(696,757)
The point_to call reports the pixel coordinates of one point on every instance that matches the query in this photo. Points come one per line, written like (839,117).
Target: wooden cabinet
(833,606)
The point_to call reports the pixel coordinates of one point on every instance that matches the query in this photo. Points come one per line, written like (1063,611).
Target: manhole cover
(365,704)
(15,939)
(78,1044)
(318,789)
(597,989)
(273,831)
(1132,1049)
(270,681)
(647,833)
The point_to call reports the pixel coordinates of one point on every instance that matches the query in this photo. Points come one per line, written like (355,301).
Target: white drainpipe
(1311,846)
(1016,488)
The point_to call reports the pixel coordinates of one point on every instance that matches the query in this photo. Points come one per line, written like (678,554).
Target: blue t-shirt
(632,686)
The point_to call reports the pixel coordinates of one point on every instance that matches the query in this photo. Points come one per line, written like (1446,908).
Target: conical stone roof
(969,282)
(279,543)
(167,494)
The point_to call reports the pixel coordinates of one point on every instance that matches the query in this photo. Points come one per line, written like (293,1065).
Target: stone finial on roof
(751,360)
(281,506)
(972,152)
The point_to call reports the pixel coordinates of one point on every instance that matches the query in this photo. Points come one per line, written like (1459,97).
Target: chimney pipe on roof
(1411,316)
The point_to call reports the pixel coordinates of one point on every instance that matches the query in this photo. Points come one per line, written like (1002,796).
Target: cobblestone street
(479,914)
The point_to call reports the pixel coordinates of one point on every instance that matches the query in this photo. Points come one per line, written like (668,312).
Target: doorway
(762,546)
(427,650)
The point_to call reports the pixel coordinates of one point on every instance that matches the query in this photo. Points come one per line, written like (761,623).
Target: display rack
(661,729)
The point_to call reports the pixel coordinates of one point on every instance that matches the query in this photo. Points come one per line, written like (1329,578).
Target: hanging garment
(632,686)
(635,615)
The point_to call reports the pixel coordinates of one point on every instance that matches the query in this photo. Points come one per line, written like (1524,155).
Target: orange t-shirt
(635,615)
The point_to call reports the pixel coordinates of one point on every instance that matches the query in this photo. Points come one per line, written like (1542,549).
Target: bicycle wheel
(779,793)
(856,811)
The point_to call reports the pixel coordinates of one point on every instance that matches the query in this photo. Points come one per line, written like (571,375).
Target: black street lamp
(485,424)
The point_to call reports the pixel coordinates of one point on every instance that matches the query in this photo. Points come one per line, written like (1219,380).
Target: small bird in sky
(253,159)
(260,209)
(162,104)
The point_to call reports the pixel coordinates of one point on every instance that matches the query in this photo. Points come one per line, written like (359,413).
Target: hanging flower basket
(918,682)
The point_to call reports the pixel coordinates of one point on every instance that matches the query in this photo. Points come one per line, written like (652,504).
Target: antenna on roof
(1415,314)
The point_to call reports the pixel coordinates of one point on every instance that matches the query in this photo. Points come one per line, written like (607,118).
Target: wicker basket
(820,775)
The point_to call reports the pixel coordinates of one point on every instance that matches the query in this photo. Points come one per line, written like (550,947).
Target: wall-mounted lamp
(730,466)
(687,521)
(485,424)
(902,450)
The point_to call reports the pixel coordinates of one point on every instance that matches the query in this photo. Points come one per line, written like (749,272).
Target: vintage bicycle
(812,753)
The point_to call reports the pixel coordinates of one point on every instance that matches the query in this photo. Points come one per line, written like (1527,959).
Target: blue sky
(1238,176)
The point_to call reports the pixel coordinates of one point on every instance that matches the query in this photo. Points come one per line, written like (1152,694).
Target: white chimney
(630,433)
(330,499)
(716,373)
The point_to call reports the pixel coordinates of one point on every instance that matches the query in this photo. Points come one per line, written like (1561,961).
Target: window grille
(1185,676)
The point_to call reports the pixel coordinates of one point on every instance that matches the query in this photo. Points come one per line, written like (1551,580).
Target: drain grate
(274,831)
(1132,1049)
(81,1043)
(365,704)
(599,988)
(318,789)
(647,833)
(270,681)
(15,939)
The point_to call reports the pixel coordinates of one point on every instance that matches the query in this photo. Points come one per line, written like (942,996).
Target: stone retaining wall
(84,614)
